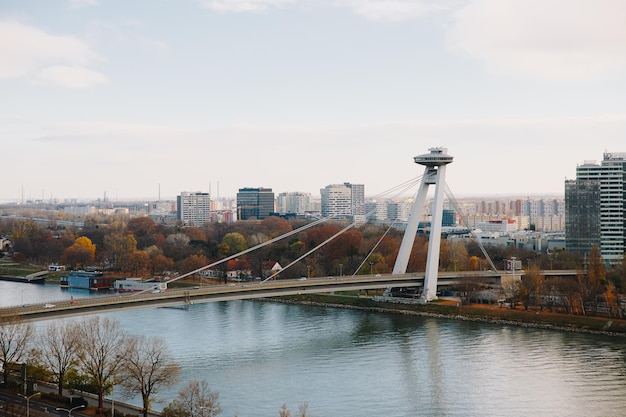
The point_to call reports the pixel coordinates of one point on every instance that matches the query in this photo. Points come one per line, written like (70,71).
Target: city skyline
(149,100)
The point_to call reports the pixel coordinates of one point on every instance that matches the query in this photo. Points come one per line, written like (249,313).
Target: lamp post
(308,271)
(371,268)
(340,270)
(69,412)
(28,402)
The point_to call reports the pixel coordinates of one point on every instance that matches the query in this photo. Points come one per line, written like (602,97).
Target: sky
(144,99)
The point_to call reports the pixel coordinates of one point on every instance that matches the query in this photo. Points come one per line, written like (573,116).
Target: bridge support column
(434,173)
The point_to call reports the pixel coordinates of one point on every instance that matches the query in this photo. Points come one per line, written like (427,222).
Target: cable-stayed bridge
(426,282)
(226,292)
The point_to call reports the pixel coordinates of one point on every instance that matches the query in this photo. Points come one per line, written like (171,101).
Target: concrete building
(545,214)
(255,203)
(194,208)
(344,201)
(376,211)
(293,202)
(501,226)
(399,210)
(595,204)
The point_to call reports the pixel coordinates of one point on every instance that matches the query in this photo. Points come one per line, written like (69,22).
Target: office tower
(255,203)
(594,207)
(344,201)
(194,209)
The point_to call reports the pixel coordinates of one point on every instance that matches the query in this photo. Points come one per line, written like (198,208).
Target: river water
(344,363)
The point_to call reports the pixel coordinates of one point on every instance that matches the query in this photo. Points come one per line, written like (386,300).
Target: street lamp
(340,270)
(69,412)
(371,268)
(308,271)
(28,402)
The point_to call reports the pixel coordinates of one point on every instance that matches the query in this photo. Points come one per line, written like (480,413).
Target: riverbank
(474,312)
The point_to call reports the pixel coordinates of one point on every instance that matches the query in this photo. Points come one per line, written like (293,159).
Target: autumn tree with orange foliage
(80,254)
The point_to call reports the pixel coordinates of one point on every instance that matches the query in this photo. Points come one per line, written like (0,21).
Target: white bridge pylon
(435,173)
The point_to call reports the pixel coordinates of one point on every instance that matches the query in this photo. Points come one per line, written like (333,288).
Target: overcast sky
(133,97)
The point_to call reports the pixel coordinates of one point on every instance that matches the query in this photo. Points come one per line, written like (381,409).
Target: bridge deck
(211,293)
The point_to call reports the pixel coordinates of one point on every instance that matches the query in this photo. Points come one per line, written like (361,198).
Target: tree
(303,410)
(101,352)
(176,246)
(136,262)
(161,263)
(532,288)
(596,277)
(142,228)
(60,345)
(85,242)
(119,247)
(81,253)
(195,400)
(191,263)
(236,243)
(148,367)
(14,338)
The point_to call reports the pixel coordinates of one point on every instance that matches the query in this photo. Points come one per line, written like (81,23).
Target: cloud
(376,10)
(71,77)
(225,6)
(82,3)
(397,10)
(33,53)
(571,40)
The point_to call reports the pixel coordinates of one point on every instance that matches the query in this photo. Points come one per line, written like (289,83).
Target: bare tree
(303,410)
(195,400)
(148,367)
(284,411)
(14,338)
(60,344)
(101,352)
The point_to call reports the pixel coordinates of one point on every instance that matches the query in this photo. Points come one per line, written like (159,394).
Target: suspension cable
(466,221)
(276,239)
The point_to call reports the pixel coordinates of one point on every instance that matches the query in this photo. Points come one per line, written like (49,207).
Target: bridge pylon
(434,174)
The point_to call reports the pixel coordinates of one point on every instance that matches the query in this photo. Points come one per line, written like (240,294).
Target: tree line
(141,247)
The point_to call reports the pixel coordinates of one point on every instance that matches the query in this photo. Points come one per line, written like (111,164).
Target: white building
(344,200)
(500,226)
(294,202)
(194,209)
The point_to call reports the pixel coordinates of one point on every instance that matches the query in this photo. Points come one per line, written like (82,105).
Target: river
(344,363)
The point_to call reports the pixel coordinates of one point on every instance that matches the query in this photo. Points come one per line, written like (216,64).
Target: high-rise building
(255,203)
(595,206)
(376,210)
(194,209)
(344,200)
(399,210)
(294,202)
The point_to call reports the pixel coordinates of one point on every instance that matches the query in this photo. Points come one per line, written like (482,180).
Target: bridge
(428,282)
(211,293)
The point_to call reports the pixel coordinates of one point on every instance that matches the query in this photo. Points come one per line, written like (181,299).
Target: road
(12,404)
